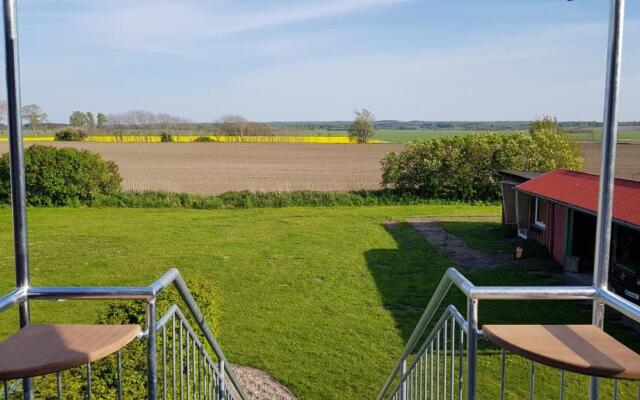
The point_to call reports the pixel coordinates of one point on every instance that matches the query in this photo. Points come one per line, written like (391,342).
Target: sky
(295,60)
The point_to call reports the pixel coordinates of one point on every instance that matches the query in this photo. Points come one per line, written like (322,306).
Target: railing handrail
(453,277)
(126,293)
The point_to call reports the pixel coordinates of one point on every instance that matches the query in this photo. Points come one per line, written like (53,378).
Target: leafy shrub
(71,135)
(62,176)
(467,167)
(166,137)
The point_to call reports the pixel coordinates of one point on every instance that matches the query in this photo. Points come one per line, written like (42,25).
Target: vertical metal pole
(472,347)
(164,362)
(18,186)
(403,380)
(119,362)
(607,168)
(453,356)
(608,158)
(58,385)
(89,395)
(532,381)
(181,366)
(173,353)
(152,366)
(221,386)
(503,372)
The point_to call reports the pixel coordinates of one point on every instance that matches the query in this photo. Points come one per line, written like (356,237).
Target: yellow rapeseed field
(221,139)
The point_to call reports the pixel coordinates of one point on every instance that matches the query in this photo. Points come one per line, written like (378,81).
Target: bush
(71,135)
(166,137)
(62,176)
(467,167)
(267,199)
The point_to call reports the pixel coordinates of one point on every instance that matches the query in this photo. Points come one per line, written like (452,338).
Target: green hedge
(61,176)
(467,167)
(267,199)
(71,135)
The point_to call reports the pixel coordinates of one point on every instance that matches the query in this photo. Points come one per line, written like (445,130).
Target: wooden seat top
(583,349)
(42,349)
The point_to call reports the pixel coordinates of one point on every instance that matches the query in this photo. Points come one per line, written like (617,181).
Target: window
(540,213)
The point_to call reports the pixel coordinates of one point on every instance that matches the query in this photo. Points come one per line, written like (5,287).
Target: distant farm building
(558,210)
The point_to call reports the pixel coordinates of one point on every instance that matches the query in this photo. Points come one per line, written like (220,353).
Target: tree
(362,127)
(33,114)
(554,149)
(102,120)
(233,125)
(544,123)
(78,119)
(91,121)
(3,110)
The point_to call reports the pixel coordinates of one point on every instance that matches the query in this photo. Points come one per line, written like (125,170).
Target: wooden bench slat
(583,349)
(43,349)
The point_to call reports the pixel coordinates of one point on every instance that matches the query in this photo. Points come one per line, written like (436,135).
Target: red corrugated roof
(580,190)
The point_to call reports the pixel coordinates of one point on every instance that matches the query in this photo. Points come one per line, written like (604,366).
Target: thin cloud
(166,26)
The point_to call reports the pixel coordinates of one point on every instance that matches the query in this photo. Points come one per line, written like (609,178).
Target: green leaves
(362,127)
(62,176)
(467,167)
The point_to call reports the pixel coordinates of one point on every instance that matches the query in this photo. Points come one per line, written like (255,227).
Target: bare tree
(233,125)
(144,121)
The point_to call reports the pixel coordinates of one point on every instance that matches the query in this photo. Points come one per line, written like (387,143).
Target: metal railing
(437,368)
(467,329)
(198,376)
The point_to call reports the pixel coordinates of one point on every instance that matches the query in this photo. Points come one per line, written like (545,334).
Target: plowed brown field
(220,167)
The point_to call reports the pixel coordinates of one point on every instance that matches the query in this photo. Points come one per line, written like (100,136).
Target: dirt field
(627,159)
(220,167)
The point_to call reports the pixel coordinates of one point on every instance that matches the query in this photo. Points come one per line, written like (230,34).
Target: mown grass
(323,299)
(485,236)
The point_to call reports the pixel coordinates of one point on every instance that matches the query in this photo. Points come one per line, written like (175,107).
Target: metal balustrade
(437,369)
(426,376)
(173,346)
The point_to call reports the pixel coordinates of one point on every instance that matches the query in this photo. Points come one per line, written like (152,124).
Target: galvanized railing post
(403,380)
(152,365)
(16,155)
(607,167)
(221,384)
(472,347)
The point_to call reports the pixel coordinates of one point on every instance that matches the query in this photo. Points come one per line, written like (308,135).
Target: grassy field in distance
(625,134)
(303,292)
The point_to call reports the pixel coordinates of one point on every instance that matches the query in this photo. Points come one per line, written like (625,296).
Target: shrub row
(467,167)
(71,135)
(268,199)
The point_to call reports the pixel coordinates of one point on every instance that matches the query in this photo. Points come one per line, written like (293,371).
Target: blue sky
(321,59)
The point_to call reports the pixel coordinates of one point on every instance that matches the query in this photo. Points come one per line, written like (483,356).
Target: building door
(583,240)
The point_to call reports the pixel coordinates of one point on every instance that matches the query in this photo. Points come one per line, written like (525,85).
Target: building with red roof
(558,210)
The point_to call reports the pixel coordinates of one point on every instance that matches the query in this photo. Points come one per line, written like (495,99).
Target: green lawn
(323,299)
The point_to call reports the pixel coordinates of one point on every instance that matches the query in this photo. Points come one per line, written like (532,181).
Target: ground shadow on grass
(406,276)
